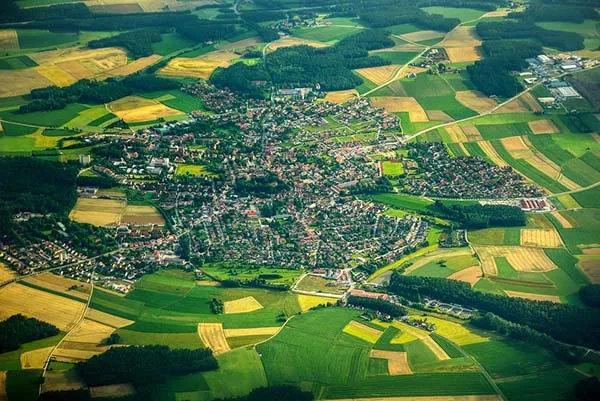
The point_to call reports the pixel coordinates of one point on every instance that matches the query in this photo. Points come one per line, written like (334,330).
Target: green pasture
(241,272)
(498,131)
(463,14)
(396,57)
(173,340)
(542,387)
(475,150)
(53,118)
(325,33)
(170,43)
(549,148)
(22,385)
(586,230)
(11,360)
(37,38)
(455,150)
(444,267)
(495,236)
(401,29)
(401,201)
(392,168)
(196,170)
(16,63)
(588,198)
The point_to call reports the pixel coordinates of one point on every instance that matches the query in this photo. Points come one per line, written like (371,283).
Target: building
(84,160)
(567,92)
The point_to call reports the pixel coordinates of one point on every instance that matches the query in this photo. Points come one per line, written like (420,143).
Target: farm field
(111,212)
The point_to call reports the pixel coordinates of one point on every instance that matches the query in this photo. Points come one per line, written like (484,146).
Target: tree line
(379,305)
(144,364)
(567,323)
(18,329)
(556,12)
(138,43)
(480,216)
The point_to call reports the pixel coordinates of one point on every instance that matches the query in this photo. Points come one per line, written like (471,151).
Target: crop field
(83,342)
(442,263)
(463,14)
(191,169)
(533,297)
(12,360)
(132,109)
(201,67)
(362,331)
(99,212)
(16,63)
(178,100)
(308,302)
(496,236)
(543,238)
(9,39)
(462,45)
(319,284)
(379,75)
(54,118)
(340,97)
(470,275)
(401,104)
(242,272)
(325,33)
(397,362)
(6,274)
(420,36)
(475,100)
(242,305)
(142,215)
(212,336)
(520,258)
(396,57)
(288,41)
(35,359)
(59,311)
(58,284)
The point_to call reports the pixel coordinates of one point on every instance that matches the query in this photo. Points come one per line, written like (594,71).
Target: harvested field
(461,37)
(56,283)
(379,75)
(438,115)
(543,127)
(35,359)
(491,153)
(429,398)
(544,238)
(56,75)
(421,36)
(514,106)
(72,355)
(142,215)
(469,275)
(95,61)
(90,332)
(291,41)
(590,264)
(107,319)
(562,220)
(520,258)
(463,54)
(475,100)
(436,256)
(240,44)
(9,39)
(59,311)
(258,331)
(3,395)
(242,305)
(456,134)
(533,297)
(99,212)
(532,104)
(6,274)
(397,361)
(131,68)
(191,67)
(83,342)
(423,336)
(112,391)
(137,109)
(471,132)
(340,97)
(212,336)
(21,82)
(307,302)
(362,331)
(128,8)
(515,146)
(394,104)
(61,380)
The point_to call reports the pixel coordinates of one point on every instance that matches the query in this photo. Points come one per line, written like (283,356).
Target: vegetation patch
(362,331)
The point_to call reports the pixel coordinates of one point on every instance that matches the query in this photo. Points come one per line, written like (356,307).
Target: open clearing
(308,302)
(362,331)
(544,238)
(35,359)
(142,215)
(533,297)
(340,97)
(201,67)
(420,36)
(59,311)
(469,275)
(242,305)
(522,259)
(397,362)
(542,127)
(475,100)
(56,283)
(99,212)
(395,104)
(138,109)
(257,331)
(112,391)
(379,75)
(290,41)
(562,220)
(212,336)
(463,54)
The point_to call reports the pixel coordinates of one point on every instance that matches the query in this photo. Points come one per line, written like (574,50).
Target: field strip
(540,237)
(112,390)
(35,359)
(242,305)
(429,398)
(362,331)
(397,361)
(423,336)
(533,297)
(469,275)
(3,395)
(490,152)
(437,255)
(213,337)
(257,331)
(562,220)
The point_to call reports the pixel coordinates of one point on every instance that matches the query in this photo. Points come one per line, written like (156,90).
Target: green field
(170,43)
(191,169)
(495,236)
(325,33)
(396,57)
(392,168)
(445,266)
(54,118)
(16,63)
(463,14)
(498,131)
(272,275)
(36,39)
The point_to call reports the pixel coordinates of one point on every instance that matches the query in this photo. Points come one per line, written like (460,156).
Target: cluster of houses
(39,255)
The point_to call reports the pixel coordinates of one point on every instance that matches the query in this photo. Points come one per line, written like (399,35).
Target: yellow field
(491,153)
(130,68)
(61,380)
(568,201)
(379,75)
(340,97)
(520,258)
(362,331)
(212,336)
(3,395)
(56,75)
(455,332)
(142,215)
(590,264)
(394,104)
(6,274)
(461,37)
(421,35)
(107,319)
(9,39)
(112,391)
(471,132)
(542,127)
(35,359)
(83,342)
(63,285)
(562,220)
(201,67)
(138,109)
(242,305)
(475,101)
(438,115)
(533,297)
(397,361)
(99,212)
(59,311)
(463,54)
(423,336)
(514,106)
(543,238)
(240,44)
(21,82)
(72,355)
(307,302)
(256,331)
(291,41)
(89,331)
(456,134)
(403,338)
(469,275)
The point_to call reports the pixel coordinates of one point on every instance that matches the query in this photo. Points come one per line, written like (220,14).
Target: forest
(379,305)
(480,216)
(567,323)
(138,43)
(18,329)
(144,364)
(279,393)
(384,17)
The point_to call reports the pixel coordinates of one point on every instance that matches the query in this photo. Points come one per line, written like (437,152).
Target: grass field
(325,33)
(463,14)
(191,169)
(54,118)
(240,272)
(320,285)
